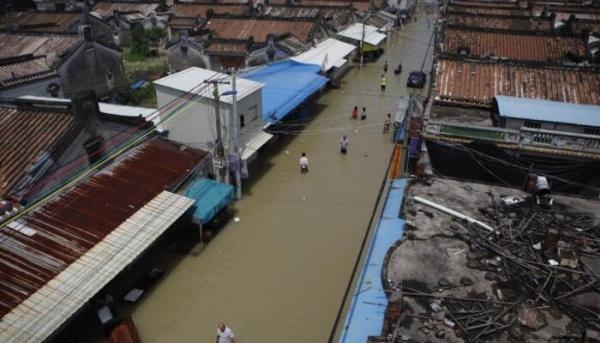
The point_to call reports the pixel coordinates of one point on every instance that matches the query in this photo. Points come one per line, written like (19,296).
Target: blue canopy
(210,196)
(287,84)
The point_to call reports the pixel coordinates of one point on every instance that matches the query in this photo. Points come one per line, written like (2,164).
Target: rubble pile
(535,259)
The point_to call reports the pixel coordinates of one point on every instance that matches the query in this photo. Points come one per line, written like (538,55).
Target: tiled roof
(26,133)
(485,10)
(477,82)
(73,223)
(515,46)
(293,45)
(199,10)
(358,5)
(183,22)
(52,46)
(244,28)
(22,70)
(564,12)
(581,25)
(44,21)
(512,4)
(513,23)
(222,47)
(107,9)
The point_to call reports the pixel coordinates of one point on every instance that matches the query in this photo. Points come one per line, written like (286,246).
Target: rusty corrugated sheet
(22,71)
(68,226)
(52,46)
(25,134)
(241,28)
(470,82)
(529,47)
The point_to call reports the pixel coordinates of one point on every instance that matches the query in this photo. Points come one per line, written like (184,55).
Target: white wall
(194,123)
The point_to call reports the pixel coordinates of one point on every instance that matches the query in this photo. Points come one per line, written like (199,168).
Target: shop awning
(327,54)
(355,32)
(254,144)
(210,197)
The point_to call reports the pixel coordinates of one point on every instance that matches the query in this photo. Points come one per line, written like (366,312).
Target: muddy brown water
(279,274)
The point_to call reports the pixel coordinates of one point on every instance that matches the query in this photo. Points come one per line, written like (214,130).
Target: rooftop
(52,46)
(200,10)
(22,69)
(511,23)
(548,111)
(191,80)
(475,83)
(28,133)
(513,46)
(43,21)
(80,240)
(259,28)
(107,9)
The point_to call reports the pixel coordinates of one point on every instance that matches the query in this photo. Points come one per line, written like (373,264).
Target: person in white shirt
(224,334)
(304,164)
(344,144)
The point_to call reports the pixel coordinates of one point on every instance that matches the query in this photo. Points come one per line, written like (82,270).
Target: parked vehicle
(416,79)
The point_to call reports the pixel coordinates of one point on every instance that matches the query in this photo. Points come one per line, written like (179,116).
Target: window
(242,121)
(533,124)
(592,131)
(253,113)
(109,76)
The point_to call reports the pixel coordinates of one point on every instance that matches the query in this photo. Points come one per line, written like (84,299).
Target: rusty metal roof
(43,21)
(107,9)
(27,133)
(475,83)
(485,10)
(513,23)
(515,46)
(199,10)
(16,71)
(67,227)
(244,28)
(52,46)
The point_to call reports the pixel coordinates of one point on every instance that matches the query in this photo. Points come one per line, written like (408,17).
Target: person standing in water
(387,123)
(304,163)
(344,145)
(354,114)
(363,115)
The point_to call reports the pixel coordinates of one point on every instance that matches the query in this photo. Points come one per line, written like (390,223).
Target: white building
(187,109)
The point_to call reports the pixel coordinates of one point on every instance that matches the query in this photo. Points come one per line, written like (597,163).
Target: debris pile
(536,258)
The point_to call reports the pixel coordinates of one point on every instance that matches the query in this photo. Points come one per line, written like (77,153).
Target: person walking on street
(344,145)
(383,82)
(304,164)
(224,334)
(363,115)
(354,114)
(385,66)
(387,123)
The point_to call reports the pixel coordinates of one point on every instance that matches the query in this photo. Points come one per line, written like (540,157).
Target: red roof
(470,82)
(68,226)
(199,10)
(242,28)
(514,23)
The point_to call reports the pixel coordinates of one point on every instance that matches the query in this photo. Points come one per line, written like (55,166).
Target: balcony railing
(525,137)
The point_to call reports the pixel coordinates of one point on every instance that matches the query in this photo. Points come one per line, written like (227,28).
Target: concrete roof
(192,80)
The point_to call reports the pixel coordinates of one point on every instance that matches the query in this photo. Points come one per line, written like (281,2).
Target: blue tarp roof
(210,196)
(548,111)
(367,311)
(287,85)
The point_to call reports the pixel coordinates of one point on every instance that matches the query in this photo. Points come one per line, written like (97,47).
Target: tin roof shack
(76,243)
(228,41)
(532,281)
(194,123)
(123,16)
(56,22)
(28,75)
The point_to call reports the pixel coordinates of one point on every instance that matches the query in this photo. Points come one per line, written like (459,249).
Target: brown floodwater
(279,274)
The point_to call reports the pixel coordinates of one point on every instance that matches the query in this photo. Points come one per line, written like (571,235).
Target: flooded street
(280,273)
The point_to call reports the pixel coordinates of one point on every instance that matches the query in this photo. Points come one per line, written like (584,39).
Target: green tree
(139,43)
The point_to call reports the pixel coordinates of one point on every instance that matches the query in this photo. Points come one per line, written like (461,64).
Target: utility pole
(235,134)
(218,153)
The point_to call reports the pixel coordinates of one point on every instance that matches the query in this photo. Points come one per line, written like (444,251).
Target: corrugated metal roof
(531,47)
(107,9)
(355,32)
(43,266)
(548,111)
(472,82)
(326,54)
(191,80)
(26,134)
(43,21)
(515,23)
(199,10)
(52,46)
